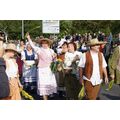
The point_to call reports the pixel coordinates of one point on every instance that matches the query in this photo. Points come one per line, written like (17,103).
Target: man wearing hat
(92,68)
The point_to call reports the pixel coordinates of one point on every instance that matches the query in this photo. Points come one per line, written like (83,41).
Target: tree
(34,27)
(14,27)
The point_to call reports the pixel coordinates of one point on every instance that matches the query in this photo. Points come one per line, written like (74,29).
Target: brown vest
(88,70)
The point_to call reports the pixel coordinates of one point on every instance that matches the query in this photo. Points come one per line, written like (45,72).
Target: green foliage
(14,27)
(92,26)
(115,27)
(65,27)
(31,24)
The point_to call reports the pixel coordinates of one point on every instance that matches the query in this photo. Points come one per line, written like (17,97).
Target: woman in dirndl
(29,74)
(60,75)
(46,83)
(12,71)
(72,84)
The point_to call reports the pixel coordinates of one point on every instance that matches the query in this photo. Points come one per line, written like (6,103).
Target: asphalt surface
(113,94)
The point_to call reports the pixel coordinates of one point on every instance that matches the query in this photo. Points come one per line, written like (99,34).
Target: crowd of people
(87,60)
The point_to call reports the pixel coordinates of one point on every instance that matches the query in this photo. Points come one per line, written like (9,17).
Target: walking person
(29,74)
(21,46)
(60,75)
(12,71)
(61,56)
(20,49)
(92,68)
(72,58)
(4,83)
(46,83)
(114,65)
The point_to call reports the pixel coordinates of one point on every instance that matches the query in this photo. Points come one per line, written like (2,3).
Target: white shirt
(19,49)
(12,70)
(69,58)
(95,78)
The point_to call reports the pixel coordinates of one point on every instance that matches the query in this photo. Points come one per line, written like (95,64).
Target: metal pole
(22,29)
(6,37)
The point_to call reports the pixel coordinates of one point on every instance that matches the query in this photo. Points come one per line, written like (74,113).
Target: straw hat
(45,39)
(94,42)
(12,47)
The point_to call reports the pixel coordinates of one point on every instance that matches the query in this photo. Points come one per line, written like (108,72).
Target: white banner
(50,26)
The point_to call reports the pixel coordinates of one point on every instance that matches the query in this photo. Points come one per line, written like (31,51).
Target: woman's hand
(21,86)
(54,56)
(28,36)
(106,80)
(112,77)
(76,58)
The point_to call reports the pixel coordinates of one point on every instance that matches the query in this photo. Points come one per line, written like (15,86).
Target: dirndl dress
(29,76)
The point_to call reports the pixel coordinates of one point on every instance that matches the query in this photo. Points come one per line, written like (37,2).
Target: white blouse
(69,57)
(12,69)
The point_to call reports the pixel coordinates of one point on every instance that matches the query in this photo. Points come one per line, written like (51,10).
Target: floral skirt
(46,83)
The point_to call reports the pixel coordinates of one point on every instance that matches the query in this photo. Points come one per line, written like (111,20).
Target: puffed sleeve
(36,49)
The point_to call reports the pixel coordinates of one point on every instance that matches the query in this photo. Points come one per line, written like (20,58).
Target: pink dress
(46,83)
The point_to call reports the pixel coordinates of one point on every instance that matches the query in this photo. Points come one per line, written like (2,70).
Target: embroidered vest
(88,70)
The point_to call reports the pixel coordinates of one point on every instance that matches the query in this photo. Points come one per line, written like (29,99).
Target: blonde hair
(1,51)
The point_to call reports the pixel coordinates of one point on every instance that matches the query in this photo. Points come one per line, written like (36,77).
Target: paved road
(114,94)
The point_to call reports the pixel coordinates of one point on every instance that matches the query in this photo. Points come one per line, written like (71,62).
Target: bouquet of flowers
(56,65)
(25,94)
